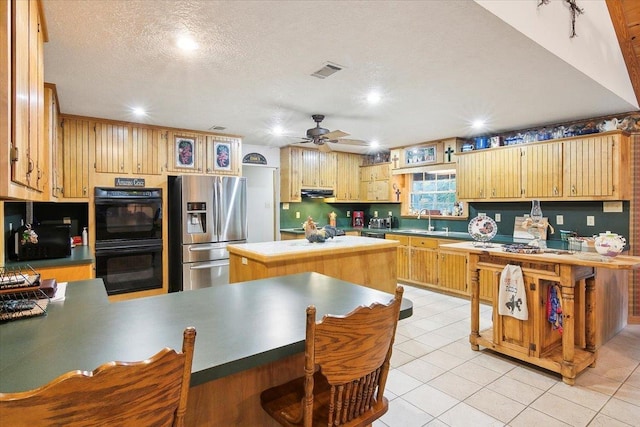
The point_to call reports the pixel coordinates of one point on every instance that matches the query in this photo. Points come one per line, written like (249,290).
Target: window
(435,191)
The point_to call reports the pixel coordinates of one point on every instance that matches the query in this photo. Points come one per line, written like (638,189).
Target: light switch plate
(591,220)
(498,217)
(559,219)
(285,206)
(298,215)
(348,214)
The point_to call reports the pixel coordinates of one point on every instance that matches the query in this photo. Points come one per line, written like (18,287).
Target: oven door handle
(209,265)
(127,249)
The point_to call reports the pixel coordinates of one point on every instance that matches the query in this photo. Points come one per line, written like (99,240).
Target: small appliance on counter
(358,219)
(32,242)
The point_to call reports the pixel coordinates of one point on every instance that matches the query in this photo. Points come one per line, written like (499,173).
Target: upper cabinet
(53,134)
(148,150)
(347,187)
(318,169)
(77,136)
(581,168)
(223,155)
(290,181)
(375,182)
(22,72)
(112,148)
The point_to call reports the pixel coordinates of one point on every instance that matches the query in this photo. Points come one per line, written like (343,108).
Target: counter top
(301,248)
(79,255)
(239,327)
(587,259)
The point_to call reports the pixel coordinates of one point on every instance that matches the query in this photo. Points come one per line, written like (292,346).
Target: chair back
(152,392)
(353,353)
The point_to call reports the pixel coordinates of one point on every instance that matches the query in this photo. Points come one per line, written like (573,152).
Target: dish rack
(20,293)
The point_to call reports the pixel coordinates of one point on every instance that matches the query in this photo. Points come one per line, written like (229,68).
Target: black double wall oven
(128,231)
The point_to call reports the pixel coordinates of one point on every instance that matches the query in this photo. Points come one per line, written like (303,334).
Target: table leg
(590,317)
(567,286)
(474,276)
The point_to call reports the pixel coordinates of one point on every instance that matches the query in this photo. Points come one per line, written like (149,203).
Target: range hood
(314,193)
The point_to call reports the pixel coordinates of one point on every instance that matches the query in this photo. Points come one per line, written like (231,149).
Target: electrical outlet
(375,214)
(390,213)
(285,206)
(559,219)
(482,214)
(591,220)
(498,217)
(348,214)
(298,215)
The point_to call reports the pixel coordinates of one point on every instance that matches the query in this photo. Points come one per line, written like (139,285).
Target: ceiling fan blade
(324,148)
(335,134)
(358,142)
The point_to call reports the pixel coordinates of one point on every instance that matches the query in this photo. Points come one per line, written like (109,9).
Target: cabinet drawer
(404,240)
(424,242)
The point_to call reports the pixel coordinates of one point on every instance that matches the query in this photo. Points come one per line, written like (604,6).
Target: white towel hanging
(512,298)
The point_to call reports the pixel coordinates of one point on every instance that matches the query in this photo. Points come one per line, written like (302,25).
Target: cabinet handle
(555,191)
(573,189)
(493,192)
(139,166)
(121,166)
(84,191)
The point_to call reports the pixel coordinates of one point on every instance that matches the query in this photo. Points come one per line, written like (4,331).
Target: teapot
(608,125)
(609,244)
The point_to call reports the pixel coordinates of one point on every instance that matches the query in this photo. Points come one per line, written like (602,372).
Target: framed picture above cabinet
(422,155)
(223,156)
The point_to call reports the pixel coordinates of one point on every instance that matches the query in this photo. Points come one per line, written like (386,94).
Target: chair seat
(284,403)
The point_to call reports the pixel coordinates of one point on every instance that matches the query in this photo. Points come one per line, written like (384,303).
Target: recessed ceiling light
(139,111)
(187,43)
(374,98)
(478,124)
(374,144)
(277,130)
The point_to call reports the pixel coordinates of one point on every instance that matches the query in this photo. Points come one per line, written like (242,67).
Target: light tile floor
(437,380)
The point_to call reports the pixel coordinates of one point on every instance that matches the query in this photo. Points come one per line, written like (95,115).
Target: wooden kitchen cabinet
(404,252)
(112,148)
(375,182)
(597,167)
(77,136)
(290,160)
(149,155)
(198,153)
(318,169)
(452,271)
(24,78)
(53,136)
(216,147)
(423,261)
(347,177)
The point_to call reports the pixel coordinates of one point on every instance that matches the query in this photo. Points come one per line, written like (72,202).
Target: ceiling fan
(320,136)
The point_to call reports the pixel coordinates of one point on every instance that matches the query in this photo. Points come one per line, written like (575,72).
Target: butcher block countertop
(288,249)
(586,259)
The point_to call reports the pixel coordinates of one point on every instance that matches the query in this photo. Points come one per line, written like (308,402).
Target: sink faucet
(446,229)
(430,227)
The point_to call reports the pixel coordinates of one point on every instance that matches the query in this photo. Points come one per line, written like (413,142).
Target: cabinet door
(403,251)
(588,167)
(452,271)
(75,157)
(424,260)
(470,176)
(542,170)
(309,171)
(179,143)
(513,333)
(290,160)
(503,173)
(326,170)
(148,156)
(53,132)
(112,148)
(347,176)
(37,152)
(21,166)
(223,155)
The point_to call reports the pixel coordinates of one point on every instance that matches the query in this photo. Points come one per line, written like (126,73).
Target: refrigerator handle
(209,265)
(218,206)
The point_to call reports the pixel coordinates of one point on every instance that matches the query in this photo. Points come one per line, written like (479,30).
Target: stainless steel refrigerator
(206,213)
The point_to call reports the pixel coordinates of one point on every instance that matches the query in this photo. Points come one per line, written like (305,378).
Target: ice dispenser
(196,217)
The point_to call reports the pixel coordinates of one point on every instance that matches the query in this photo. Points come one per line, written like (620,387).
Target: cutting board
(521,233)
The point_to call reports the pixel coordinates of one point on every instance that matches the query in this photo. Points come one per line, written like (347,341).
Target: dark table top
(239,326)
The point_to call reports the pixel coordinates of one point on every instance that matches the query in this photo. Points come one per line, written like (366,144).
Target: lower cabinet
(67,274)
(422,262)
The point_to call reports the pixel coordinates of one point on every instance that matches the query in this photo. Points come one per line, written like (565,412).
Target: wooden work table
(585,282)
(250,336)
(362,260)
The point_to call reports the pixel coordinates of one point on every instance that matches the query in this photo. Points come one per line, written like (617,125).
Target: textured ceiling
(438,64)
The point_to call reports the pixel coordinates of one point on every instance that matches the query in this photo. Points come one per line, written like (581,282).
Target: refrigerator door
(197,275)
(198,209)
(231,208)
(204,252)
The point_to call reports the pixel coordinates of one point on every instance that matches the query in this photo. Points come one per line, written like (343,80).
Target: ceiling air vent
(328,69)
(215,127)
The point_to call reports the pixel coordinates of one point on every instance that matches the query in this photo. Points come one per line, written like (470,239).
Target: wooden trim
(617,11)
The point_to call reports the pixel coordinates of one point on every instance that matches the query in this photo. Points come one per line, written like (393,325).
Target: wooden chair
(152,392)
(352,353)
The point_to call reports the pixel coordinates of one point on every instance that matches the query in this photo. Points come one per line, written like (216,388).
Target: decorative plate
(482,228)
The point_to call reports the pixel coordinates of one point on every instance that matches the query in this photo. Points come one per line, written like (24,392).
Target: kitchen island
(250,336)
(584,282)
(361,260)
